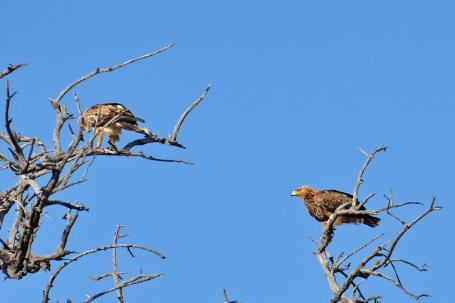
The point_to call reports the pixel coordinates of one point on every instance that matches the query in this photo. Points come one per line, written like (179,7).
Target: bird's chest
(111,131)
(316,211)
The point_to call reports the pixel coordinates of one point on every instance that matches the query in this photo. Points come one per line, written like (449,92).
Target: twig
(125,153)
(135,280)
(11,68)
(69,205)
(66,232)
(78,103)
(100,277)
(173,135)
(12,136)
(107,70)
(226,298)
(337,265)
(172,138)
(359,180)
(396,283)
(54,275)
(115,273)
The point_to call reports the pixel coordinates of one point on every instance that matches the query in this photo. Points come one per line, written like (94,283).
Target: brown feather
(321,204)
(110,119)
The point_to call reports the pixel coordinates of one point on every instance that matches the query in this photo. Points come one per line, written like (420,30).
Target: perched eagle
(110,119)
(322,203)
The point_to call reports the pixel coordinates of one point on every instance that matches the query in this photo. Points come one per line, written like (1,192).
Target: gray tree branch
(10,69)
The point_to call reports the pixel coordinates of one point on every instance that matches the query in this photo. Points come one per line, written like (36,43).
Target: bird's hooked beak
(294,193)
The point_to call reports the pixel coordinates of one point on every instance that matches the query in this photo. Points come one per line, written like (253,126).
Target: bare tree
(380,262)
(43,171)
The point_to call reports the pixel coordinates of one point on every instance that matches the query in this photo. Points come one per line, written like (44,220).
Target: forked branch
(55,274)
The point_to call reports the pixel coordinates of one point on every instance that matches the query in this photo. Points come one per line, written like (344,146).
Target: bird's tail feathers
(357,219)
(370,221)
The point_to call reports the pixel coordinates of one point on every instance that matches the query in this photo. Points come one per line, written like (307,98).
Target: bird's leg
(112,146)
(99,139)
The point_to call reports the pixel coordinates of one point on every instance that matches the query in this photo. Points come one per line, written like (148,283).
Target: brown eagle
(110,119)
(322,203)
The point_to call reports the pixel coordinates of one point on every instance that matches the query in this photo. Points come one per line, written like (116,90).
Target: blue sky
(298,87)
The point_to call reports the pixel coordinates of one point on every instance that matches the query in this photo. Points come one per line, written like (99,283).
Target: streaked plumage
(110,119)
(323,203)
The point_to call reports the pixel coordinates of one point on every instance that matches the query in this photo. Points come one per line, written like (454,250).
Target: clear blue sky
(298,87)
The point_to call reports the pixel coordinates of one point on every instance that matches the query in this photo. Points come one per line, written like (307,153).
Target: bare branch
(172,138)
(338,264)
(173,135)
(78,103)
(106,275)
(72,206)
(115,273)
(125,153)
(18,153)
(226,298)
(70,223)
(108,70)
(11,68)
(359,180)
(396,283)
(54,275)
(423,267)
(135,280)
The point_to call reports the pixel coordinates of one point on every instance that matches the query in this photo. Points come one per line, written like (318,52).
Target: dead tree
(380,262)
(43,171)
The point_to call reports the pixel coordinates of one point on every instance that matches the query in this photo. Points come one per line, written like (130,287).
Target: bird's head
(302,191)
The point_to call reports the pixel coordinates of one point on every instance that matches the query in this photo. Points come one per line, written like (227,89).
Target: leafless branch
(359,181)
(135,280)
(173,135)
(11,68)
(18,153)
(69,205)
(108,70)
(105,275)
(115,273)
(55,274)
(226,298)
(172,138)
(344,259)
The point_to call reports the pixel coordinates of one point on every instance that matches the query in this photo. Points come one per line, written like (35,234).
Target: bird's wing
(104,113)
(329,200)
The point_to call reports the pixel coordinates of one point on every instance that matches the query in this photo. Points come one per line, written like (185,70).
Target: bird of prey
(110,119)
(322,203)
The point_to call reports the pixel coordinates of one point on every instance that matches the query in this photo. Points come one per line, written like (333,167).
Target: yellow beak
(294,193)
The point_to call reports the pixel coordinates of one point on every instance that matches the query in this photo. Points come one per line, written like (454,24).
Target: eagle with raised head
(110,119)
(323,203)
